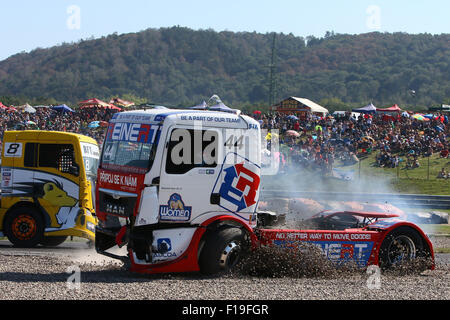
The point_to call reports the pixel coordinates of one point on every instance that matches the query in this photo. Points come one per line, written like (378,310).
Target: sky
(28,24)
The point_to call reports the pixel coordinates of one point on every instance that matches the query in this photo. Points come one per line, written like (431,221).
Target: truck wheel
(401,245)
(222,250)
(24,227)
(53,241)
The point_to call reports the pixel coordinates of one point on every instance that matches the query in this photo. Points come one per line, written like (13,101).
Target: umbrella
(367,138)
(420,117)
(94,124)
(62,108)
(3,107)
(292,133)
(292,117)
(30,123)
(256,112)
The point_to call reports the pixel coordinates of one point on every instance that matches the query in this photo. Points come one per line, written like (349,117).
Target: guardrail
(399,200)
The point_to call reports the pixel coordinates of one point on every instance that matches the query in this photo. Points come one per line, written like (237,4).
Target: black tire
(401,245)
(24,227)
(222,250)
(53,241)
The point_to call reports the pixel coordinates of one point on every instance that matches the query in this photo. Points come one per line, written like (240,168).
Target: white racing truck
(180,189)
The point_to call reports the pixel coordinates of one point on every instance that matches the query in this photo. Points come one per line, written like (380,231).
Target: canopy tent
(394,108)
(26,108)
(121,103)
(201,106)
(62,108)
(370,108)
(221,107)
(96,103)
(3,107)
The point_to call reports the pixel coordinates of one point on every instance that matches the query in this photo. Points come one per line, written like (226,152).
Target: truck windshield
(129,147)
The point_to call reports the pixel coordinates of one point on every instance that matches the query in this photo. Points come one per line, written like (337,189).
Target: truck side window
(58,156)
(183,155)
(30,158)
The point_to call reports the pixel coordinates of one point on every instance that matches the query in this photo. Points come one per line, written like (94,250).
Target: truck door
(238,184)
(189,171)
(56,183)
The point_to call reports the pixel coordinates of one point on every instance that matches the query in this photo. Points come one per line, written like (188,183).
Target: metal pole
(359,169)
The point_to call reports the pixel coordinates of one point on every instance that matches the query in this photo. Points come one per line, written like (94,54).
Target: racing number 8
(13,150)
(13,147)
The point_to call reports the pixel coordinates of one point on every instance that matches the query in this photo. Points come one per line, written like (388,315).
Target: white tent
(314,107)
(29,109)
(26,108)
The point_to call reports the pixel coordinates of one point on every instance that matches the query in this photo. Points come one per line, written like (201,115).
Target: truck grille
(121,207)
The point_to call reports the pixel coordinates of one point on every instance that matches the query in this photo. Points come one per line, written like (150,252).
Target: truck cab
(167,178)
(47,187)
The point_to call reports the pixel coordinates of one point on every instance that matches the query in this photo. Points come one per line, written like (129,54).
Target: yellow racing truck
(47,187)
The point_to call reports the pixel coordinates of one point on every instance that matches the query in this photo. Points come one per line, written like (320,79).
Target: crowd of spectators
(324,140)
(48,119)
(319,142)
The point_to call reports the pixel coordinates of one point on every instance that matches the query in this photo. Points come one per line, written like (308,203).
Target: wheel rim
(24,227)
(230,255)
(402,248)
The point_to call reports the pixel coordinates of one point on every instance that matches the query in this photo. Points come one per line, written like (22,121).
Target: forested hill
(178,66)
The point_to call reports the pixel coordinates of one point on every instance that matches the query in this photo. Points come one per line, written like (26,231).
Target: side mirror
(74,170)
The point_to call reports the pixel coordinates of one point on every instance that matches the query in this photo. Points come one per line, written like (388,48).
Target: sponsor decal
(132,132)
(175,210)
(339,247)
(90,150)
(240,186)
(164,244)
(56,196)
(336,251)
(120,181)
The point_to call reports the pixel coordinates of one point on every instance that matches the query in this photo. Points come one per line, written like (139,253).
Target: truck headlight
(90,226)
